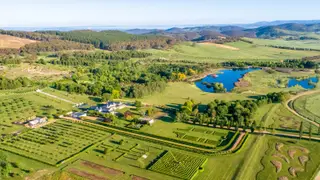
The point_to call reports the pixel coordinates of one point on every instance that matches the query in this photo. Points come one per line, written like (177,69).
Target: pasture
(209,53)
(34,72)
(313,44)
(262,82)
(178,92)
(7,41)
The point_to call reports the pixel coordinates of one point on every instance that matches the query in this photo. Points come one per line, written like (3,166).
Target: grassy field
(179,92)
(308,106)
(13,42)
(262,82)
(313,44)
(211,53)
(35,72)
(77,98)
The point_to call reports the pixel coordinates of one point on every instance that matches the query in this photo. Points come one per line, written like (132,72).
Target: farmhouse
(37,121)
(109,107)
(146,120)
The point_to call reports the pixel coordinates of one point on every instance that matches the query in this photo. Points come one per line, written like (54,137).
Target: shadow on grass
(95,99)
(168,119)
(254,97)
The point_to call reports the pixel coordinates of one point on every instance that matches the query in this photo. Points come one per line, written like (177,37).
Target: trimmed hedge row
(209,151)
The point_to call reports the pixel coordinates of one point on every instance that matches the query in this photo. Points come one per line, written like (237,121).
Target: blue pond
(227,76)
(303,83)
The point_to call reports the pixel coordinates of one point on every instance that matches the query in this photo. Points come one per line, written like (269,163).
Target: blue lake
(227,76)
(303,83)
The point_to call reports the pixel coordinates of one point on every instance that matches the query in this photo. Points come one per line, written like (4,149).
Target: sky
(137,13)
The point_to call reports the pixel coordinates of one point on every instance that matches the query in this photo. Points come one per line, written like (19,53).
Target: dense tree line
(220,112)
(53,46)
(224,40)
(10,60)
(310,58)
(19,82)
(30,35)
(9,51)
(290,63)
(114,40)
(293,48)
(87,59)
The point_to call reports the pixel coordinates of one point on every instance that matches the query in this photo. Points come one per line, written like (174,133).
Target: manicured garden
(179,165)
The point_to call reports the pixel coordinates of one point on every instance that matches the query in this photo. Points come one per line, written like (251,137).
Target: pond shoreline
(229,77)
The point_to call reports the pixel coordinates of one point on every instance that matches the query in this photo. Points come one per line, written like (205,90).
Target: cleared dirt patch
(221,46)
(283,178)
(291,153)
(242,83)
(293,171)
(303,160)
(13,42)
(279,146)
(86,175)
(101,168)
(277,165)
(281,156)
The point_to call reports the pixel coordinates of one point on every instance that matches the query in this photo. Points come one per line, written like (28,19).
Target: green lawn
(210,53)
(179,92)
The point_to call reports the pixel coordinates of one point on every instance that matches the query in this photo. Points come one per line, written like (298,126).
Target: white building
(78,114)
(109,107)
(147,120)
(37,121)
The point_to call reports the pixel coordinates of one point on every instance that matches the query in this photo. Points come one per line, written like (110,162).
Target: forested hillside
(114,40)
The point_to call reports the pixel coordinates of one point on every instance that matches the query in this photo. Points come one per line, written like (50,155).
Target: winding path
(295,112)
(56,97)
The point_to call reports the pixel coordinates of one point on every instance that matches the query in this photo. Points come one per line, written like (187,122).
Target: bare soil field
(104,169)
(86,175)
(221,46)
(13,42)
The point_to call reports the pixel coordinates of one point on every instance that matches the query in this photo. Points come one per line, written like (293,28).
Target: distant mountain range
(306,29)
(297,30)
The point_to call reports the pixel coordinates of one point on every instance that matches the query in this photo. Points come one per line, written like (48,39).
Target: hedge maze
(203,136)
(180,165)
(54,143)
